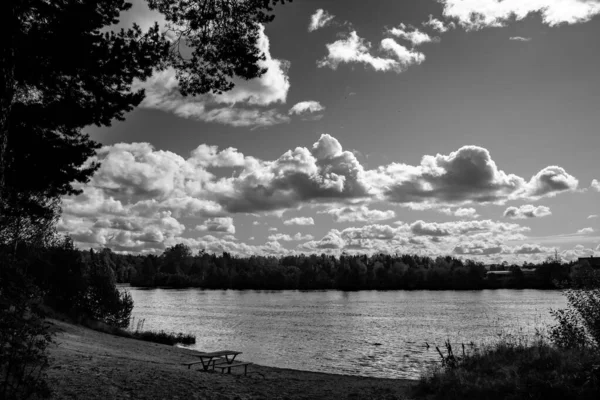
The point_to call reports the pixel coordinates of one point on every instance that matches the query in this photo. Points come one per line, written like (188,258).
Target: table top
(219,353)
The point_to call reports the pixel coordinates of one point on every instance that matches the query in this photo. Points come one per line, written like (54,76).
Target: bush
(24,335)
(578,326)
(515,370)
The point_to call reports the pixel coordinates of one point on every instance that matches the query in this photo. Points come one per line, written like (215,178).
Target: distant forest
(177,267)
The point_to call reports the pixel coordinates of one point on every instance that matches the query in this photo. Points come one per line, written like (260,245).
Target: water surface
(368,333)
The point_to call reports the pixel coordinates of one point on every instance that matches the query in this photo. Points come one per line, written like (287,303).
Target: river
(367,333)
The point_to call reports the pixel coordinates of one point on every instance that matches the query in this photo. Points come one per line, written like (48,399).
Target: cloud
(520,39)
(461,212)
(306,107)
(595,185)
(358,214)
(139,197)
(319,19)
(354,49)
(299,221)
(414,36)
(422,228)
(585,231)
(527,211)
(477,14)
(243,106)
(287,238)
(592,216)
(531,249)
(550,181)
(466,213)
(438,25)
(219,224)
(468,175)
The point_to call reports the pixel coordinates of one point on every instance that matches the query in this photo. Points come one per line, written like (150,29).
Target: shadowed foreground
(87,364)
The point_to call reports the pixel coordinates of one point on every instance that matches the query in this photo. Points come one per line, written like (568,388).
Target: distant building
(593,261)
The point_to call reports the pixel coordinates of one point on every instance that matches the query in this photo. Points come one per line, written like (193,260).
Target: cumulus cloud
(358,214)
(461,212)
(520,39)
(527,211)
(300,221)
(219,224)
(477,14)
(139,195)
(320,19)
(412,35)
(438,25)
(422,228)
(595,185)
(531,249)
(245,105)
(550,181)
(306,107)
(592,216)
(585,231)
(287,238)
(354,49)
(464,176)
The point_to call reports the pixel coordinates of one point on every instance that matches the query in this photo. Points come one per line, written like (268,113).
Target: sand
(86,364)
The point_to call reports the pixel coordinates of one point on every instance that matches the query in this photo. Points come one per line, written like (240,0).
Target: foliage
(578,326)
(177,267)
(24,335)
(221,37)
(515,370)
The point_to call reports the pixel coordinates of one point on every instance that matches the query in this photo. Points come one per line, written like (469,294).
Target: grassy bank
(514,370)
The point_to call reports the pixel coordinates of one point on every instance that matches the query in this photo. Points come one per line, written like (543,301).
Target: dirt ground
(86,364)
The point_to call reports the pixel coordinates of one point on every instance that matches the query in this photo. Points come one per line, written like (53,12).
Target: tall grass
(514,370)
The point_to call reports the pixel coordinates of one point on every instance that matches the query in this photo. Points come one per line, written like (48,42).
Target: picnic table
(219,359)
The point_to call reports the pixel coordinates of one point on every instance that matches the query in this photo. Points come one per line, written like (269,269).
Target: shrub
(578,326)
(24,335)
(515,370)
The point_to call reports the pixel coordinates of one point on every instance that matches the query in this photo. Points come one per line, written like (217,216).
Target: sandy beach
(86,364)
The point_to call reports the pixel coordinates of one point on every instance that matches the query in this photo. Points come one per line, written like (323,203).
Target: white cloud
(300,221)
(461,212)
(139,197)
(520,39)
(477,14)
(319,19)
(468,175)
(287,238)
(585,231)
(414,36)
(306,107)
(438,25)
(592,216)
(273,229)
(358,214)
(354,49)
(244,105)
(595,185)
(219,224)
(527,211)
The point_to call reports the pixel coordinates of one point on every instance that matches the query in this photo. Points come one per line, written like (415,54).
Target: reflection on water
(367,333)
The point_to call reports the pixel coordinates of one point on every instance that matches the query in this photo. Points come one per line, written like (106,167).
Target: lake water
(366,333)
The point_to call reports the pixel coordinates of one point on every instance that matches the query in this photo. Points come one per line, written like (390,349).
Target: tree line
(178,267)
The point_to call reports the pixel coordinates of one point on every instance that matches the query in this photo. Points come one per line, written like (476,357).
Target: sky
(434,127)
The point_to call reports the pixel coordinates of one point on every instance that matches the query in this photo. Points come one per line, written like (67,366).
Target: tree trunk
(8,28)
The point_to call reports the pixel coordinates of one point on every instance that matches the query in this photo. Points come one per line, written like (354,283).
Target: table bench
(224,365)
(215,358)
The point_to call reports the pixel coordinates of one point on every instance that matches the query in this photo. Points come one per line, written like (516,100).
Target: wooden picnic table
(206,359)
